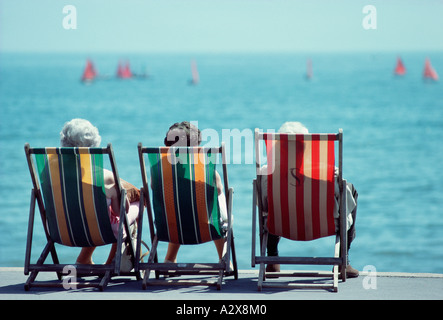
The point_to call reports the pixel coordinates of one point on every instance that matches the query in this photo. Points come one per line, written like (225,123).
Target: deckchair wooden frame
(221,269)
(339,259)
(105,272)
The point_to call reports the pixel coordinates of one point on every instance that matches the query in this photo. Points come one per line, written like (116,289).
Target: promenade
(385,286)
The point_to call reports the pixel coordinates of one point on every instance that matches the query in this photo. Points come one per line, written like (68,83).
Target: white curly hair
(293,127)
(79,133)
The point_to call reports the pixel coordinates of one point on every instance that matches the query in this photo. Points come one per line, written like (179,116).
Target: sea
(392,133)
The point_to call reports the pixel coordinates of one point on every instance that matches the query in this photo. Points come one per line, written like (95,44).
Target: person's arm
(221,198)
(111,192)
(218,183)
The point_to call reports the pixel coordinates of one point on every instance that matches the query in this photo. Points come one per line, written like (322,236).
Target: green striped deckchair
(68,185)
(185,204)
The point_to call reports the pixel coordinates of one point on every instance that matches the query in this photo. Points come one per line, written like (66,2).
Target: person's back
(293,127)
(81,133)
(185,134)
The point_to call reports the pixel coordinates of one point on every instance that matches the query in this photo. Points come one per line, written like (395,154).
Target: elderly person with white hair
(351,205)
(81,133)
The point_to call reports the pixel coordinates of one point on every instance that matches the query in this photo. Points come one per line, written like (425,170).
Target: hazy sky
(220,25)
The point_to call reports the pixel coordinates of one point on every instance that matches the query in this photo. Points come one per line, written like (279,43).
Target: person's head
(293,127)
(183,134)
(79,133)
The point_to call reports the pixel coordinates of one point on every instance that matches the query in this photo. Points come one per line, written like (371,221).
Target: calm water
(393,129)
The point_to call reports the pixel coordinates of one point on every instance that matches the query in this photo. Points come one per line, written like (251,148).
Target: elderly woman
(351,206)
(81,133)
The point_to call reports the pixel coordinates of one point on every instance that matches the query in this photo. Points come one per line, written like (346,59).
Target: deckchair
(186,210)
(300,199)
(68,187)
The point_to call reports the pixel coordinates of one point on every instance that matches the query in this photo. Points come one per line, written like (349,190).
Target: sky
(220,26)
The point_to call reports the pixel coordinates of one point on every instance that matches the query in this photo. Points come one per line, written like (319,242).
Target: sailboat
(400,69)
(429,72)
(89,74)
(309,73)
(124,71)
(194,73)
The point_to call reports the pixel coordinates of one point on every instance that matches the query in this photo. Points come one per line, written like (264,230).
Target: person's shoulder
(108,176)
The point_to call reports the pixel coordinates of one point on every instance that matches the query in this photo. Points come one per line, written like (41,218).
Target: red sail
(127,71)
(124,72)
(89,74)
(429,72)
(400,69)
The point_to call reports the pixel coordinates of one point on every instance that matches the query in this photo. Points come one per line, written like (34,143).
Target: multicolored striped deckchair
(300,196)
(185,203)
(68,185)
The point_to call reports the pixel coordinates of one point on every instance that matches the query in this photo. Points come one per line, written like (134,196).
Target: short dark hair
(193,134)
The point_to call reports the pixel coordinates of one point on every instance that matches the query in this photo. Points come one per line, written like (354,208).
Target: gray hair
(293,127)
(79,133)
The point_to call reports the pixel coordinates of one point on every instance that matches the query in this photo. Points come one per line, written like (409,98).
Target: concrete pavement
(383,286)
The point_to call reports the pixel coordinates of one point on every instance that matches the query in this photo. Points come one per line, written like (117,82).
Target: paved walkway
(385,286)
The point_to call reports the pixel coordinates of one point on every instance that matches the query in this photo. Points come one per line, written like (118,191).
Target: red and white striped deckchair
(300,197)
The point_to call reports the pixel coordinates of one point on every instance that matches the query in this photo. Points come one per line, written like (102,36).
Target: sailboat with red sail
(429,72)
(89,74)
(400,69)
(124,71)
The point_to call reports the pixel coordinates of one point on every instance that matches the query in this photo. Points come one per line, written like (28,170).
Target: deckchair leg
(261,276)
(48,248)
(145,279)
(335,278)
(220,279)
(234,257)
(262,272)
(152,258)
(105,280)
(30,233)
(30,280)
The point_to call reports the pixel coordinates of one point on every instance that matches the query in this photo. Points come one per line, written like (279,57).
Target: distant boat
(124,71)
(89,74)
(400,69)
(309,73)
(144,74)
(194,73)
(429,72)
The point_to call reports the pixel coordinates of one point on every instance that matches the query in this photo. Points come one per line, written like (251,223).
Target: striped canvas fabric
(72,184)
(301,185)
(184,195)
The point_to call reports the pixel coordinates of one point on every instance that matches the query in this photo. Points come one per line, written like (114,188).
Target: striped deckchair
(300,190)
(68,186)
(185,205)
